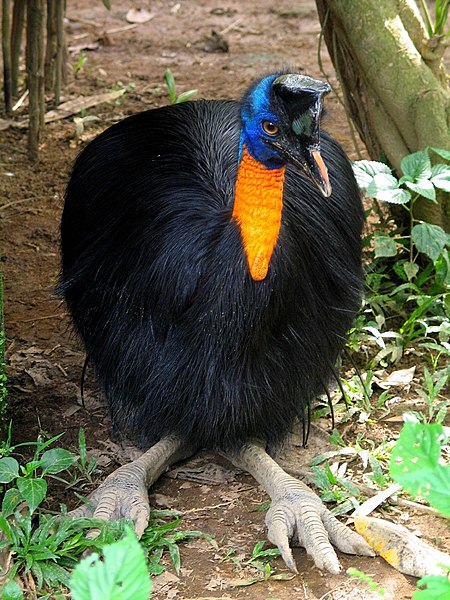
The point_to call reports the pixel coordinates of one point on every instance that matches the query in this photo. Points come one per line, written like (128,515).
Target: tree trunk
(393,81)
(6,49)
(16,41)
(35,73)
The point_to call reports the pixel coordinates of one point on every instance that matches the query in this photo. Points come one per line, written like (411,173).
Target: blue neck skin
(255,110)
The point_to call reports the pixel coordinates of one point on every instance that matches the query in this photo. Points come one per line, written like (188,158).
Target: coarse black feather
(183,340)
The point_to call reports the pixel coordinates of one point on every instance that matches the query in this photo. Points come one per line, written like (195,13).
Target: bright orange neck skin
(257,209)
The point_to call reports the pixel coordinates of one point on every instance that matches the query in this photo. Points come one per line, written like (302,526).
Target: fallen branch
(67,109)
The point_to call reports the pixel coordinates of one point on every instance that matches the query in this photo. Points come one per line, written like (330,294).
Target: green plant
(78,66)
(415,464)
(408,272)
(160,536)
(369,581)
(121,574)
(440,18)
(3,390)
(171,88)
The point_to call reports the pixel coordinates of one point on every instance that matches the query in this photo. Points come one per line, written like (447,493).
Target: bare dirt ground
(44,357)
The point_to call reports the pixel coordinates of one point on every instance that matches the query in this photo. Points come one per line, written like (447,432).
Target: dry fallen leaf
(138,15)
(401,377)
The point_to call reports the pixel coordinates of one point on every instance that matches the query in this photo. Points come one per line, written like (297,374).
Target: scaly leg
(297,513)
(124,493)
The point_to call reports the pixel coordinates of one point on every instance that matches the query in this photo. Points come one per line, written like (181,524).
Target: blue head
(281,124)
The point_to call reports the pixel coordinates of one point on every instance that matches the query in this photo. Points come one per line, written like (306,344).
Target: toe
(345,539)
(279,532)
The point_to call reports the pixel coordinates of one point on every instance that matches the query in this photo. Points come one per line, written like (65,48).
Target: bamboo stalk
(50,49)
(35,79)
(16,42)
(60,48)
(6,49)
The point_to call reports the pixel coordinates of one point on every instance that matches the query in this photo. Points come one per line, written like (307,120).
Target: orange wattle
(258,204)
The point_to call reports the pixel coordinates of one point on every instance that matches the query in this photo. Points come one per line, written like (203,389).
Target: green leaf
(384,246)
(170,82)
(415,464)
(411,269)
(438,588)
(365,170)
(385,187)
(440,177)
(122,575)
(429,239)
(33,490)
(9,469)
(380,183)
(57,460)
(107,4)
(443,153)
(424,187)
(11,499)
(11,591)
(185,96)
(417,165)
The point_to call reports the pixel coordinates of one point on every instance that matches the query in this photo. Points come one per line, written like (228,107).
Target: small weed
(369,581)
(172,91)
(78,66)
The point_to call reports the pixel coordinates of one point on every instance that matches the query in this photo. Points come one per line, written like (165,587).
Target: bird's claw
(123,494)
(299,515)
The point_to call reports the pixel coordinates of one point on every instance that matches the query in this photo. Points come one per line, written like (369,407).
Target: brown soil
(44,357)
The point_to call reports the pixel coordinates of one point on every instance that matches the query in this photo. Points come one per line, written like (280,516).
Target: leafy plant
(121,573)
(408,272)
(171,88)
(369,581)
(415,464)
(161,535)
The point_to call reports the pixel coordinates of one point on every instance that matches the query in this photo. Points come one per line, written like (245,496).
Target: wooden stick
(6,49)
(34,59)
(16,42)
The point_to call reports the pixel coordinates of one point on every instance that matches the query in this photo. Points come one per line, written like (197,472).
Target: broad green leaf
(444,153)
(11,591)
(415,464)
(10,501)
(9,469)
(429,239)
(440,177)
(416,165)
(365,170)
(385,246)
(411,269)
(438,588)
(57,460)
(33,490)
(122,575)
(424,187)
(385,187)
(380,183)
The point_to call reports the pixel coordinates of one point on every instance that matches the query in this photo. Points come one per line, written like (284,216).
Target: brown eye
(270,128)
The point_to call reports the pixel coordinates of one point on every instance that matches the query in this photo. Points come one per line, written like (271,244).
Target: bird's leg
(124,493)
(297,513)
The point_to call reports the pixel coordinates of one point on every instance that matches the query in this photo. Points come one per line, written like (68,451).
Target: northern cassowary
(211,263)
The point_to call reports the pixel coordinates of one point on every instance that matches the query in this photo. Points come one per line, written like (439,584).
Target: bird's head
(281,124)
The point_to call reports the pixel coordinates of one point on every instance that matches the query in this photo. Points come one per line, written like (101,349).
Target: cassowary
(211,263)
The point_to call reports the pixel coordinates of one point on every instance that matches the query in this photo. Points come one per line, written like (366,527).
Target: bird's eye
(270,128)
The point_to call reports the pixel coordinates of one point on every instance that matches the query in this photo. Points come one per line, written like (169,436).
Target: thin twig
(4,206)
(60,316)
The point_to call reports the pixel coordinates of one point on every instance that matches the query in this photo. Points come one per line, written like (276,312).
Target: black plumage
(154,273)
